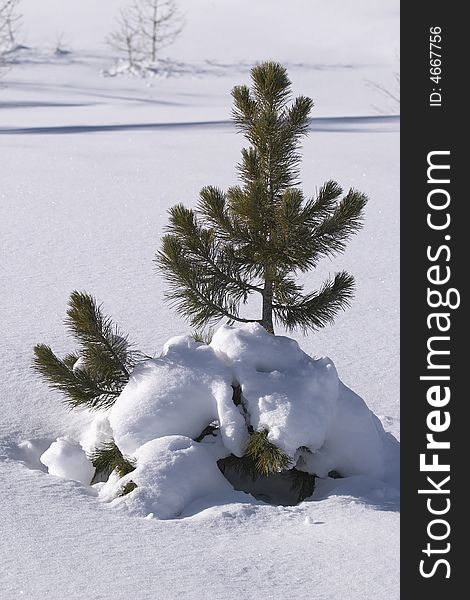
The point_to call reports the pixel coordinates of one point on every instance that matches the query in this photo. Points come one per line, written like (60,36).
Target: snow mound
(171,472)
(170,401)
(355,442)
(66,458)
(179,393)
(285,391)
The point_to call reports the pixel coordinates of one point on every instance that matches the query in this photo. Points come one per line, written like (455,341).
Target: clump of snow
(171,472)
(302,403)
(285,391)
(98,433)
(179,393)
(79,364)
(66,458)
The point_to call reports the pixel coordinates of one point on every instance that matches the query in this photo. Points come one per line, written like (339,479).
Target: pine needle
(106,357)
(267,458)
(108,458)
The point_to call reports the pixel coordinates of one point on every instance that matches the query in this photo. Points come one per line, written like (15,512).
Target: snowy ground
(89,165)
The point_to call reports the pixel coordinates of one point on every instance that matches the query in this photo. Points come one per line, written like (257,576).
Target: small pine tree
(94,376)
(253,239)
(257,236)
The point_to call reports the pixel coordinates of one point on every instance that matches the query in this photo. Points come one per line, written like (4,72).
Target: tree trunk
(267,318)
(130,56)
(154,31)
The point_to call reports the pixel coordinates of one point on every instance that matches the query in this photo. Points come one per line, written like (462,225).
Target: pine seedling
(256,237)
(95,375)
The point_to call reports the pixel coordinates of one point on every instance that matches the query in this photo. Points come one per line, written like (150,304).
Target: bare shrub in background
(144,28)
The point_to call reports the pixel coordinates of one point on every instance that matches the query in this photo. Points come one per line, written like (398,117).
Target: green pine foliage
(266,457)
(108,458)
(105,357)
(203,336)
(127,488)
(79,387)
(256,237)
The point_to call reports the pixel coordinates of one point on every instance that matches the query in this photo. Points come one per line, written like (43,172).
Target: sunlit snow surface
(89,166)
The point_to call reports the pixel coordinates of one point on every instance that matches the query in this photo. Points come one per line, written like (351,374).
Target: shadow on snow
(372,124)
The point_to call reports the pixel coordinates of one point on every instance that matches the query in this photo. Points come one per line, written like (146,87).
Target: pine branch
(70,360)
(203,272)
(79,387)
(319,228)
(244,107)
(267,457)
(105,348)
(95,376)
(315,210)
(204,249)
(271,85)
(250,167)
(317,309)
(286,290)
(108,458)
(196,296)
(333,232)
(298,115)
(213,210)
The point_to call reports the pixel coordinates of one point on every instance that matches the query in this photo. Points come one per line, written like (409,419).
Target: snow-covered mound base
(157,421)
